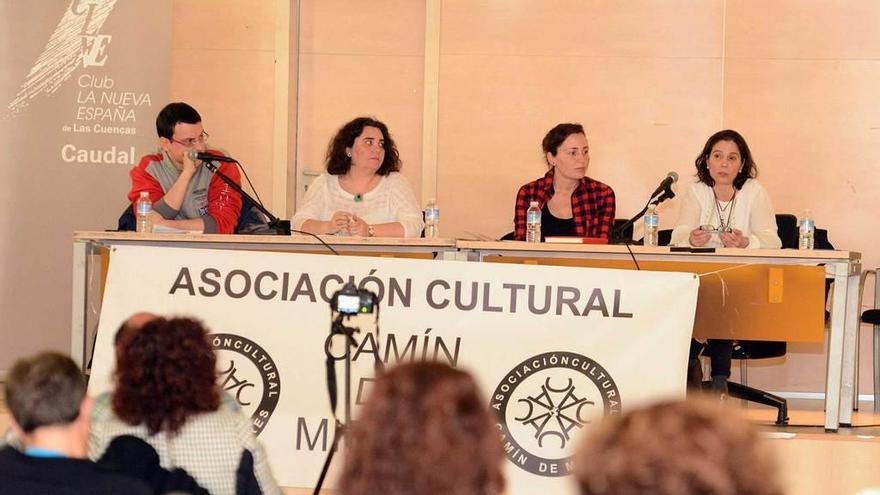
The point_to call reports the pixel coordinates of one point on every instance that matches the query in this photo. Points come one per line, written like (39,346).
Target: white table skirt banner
(554,349)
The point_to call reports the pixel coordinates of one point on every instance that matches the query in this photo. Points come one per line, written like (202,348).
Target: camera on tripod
(349,300)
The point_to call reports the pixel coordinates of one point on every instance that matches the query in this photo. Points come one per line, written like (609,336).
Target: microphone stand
(616,237)
(281,227)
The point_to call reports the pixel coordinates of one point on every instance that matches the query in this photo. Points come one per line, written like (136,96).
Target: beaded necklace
(725,224)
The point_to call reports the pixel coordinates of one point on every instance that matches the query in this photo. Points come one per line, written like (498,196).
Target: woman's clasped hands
(345,223)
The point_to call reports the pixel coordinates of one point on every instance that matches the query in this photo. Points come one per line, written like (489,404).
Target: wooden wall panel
(222,63)
(802,29)
(800,82)
(644,80)
(650,80)
(360,58)
(637,28)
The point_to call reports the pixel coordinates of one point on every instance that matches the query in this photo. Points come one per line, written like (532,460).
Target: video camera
(349,300)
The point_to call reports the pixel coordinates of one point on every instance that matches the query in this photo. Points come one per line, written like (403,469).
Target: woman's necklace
(728,208)
(358,197)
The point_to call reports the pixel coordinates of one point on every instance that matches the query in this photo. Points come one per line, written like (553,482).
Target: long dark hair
(339,163)
(749,168)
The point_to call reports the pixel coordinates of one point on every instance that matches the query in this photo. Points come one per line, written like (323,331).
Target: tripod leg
(337,434)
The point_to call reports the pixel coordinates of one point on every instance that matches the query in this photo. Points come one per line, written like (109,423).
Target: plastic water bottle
(652,223)
(432,219)
(806,231)
(533,223)
(143,207)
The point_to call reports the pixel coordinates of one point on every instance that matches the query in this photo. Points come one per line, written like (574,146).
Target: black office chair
(627,232)
(664,237)
(748,349)
(743,350)
(872,317)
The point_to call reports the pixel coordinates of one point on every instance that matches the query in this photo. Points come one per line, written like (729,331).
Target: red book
(575,240)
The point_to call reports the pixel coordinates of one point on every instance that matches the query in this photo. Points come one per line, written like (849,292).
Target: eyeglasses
(189,143)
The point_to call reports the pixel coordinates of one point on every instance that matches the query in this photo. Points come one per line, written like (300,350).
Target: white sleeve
(408,212)
(762,222)
(688,218)
(313,205)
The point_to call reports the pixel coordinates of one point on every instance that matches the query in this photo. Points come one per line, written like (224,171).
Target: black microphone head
(672,175)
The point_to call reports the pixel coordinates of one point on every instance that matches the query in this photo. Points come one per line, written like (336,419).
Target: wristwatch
(370,231)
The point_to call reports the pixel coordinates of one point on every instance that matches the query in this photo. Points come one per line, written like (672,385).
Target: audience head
(723,139)
(48,391)
(130,325)
(675,448)
(424,430)
(351,144)
(165,373)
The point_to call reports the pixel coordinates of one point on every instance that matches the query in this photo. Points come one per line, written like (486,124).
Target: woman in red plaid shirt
(571,203)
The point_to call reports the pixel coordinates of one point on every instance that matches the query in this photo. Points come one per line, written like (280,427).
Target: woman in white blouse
(362,193)
(728,208)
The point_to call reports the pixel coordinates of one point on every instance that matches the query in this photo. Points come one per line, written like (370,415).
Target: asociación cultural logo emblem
(248,374)
(542,402)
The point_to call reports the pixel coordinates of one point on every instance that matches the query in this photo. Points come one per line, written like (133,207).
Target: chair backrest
(626,234)
(664,237)
(127,221)
(787,229)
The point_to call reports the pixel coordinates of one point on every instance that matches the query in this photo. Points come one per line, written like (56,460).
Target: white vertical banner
(81,85)
(553,348)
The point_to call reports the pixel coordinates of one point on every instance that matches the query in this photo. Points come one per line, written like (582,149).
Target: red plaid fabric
(592,206)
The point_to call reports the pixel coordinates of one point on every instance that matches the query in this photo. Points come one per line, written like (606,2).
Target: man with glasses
(185,195)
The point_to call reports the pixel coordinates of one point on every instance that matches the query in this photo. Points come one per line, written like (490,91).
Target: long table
(843,267)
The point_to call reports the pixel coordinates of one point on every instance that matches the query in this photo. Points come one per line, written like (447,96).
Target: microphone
(670,179)
(207,157)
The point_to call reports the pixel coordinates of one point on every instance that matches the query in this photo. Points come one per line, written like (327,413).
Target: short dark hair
(338,162)
(172,114)
(165,373)
(44,390)
(554,138)
(749,168)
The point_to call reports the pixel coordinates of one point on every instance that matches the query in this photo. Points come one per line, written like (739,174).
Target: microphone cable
(259,200)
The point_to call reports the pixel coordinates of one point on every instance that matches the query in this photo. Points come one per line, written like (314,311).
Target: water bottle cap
(145,194)
(533,203)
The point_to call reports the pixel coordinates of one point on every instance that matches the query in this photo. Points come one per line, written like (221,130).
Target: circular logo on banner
(541,402)
(248,374)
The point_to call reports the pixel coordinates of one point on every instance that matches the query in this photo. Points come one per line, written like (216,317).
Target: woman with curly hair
(363,192)
(676,448)
(166,395)
(424,430)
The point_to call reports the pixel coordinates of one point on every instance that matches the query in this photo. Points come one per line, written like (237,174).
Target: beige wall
(222,63)
(360,58)
(650,80)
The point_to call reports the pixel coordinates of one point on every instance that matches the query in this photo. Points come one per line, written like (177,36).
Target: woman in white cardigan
(362,193)
(727,207)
